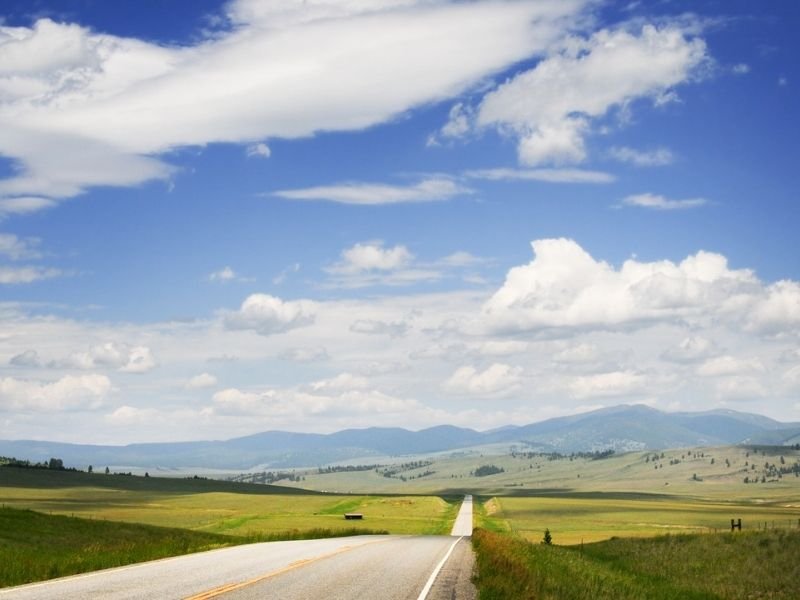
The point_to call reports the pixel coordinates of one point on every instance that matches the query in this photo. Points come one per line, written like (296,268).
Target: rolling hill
(622,427)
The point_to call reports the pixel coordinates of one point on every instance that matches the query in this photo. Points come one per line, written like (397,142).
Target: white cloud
(80,108)
(740,389)
(16,248)
(691,350)
(544,175)
(729,365)
(658,202)
(374,327)
(428,190)
(550,107)
(124,358)
(201,381)
(371,256)
(740,69)
(657,157)
(68,393)
(267,315)
(578,354)
(226,275)
(497,379)
(502,347)
(565,287)
(342,382)
(18,275)
(776,310)
(23,205)
(260,150)
(370,263)
(305,354)
(615,383)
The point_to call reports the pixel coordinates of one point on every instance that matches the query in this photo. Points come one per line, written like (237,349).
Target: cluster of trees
(398,471)
(266,477)
(55,464)
(485,470)
(347,468)
(595,455)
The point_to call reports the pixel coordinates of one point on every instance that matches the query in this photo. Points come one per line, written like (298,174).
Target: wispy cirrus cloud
(659,202)
(431,189)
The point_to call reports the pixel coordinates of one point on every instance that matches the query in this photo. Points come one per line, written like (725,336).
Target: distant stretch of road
(381,567)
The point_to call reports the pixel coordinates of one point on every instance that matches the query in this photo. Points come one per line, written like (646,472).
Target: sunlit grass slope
(216,507)
(591,517)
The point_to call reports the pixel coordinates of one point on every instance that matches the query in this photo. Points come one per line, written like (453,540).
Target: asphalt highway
(369,567)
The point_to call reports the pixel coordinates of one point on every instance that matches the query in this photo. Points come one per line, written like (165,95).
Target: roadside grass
(576,518)
(217,507)
(36,546)
(725,566)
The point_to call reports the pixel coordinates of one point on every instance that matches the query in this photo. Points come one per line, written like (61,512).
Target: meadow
(589,517)
(35,546)
(729,566)
(217,507)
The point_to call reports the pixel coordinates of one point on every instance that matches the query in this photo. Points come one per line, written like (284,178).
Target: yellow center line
(230,587)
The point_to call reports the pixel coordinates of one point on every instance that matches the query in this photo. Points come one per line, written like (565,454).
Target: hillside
(620,428)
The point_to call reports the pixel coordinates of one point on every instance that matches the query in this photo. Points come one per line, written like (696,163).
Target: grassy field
(216,507)
(701,472)
(35,546)
(675,567)
(586,517)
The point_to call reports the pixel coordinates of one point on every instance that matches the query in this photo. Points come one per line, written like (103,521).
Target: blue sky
(224,217)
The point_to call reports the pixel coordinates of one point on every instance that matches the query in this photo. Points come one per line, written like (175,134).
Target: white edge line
(424,593)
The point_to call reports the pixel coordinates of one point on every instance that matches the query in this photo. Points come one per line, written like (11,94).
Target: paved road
(381,567)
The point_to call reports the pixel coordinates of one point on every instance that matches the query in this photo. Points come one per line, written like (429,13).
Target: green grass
(214,506)
(36,546)
(723,566)
(576,518)
(632,472)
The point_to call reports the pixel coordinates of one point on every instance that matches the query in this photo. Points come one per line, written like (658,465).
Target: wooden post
(736,525)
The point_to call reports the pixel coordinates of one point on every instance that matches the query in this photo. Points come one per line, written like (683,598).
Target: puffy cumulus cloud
(370,263)
(267,315)
(111,355)
(371,256)
(496,380)
(550,107)
(502,347)
(565,287)
(80,108)
(729,365)
(201,381)
(431,189)
(777,309)
(614,383)
(82,392)
(690,350)
(658,202)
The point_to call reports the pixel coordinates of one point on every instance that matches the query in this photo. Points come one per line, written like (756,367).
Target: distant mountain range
(622,428)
